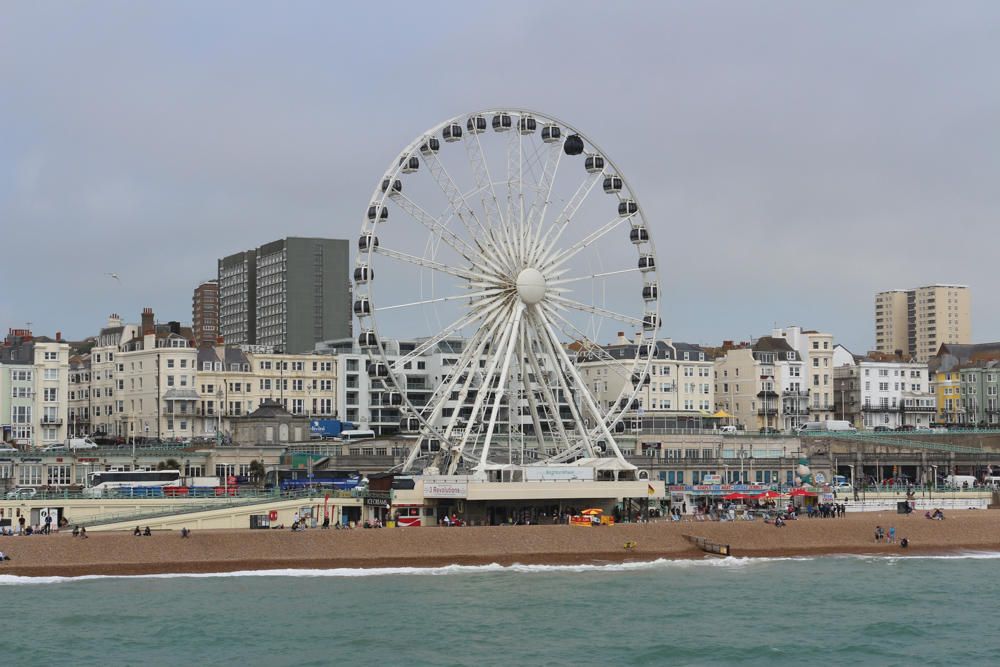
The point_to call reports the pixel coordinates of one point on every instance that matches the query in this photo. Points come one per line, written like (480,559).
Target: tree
(169,464)
(257,471)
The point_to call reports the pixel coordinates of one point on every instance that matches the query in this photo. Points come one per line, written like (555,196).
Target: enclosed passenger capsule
(627,207)
(397,185)
(378,370)
(613,184)
(639,378)
(409,424)
(645,351)
(639,235)
(430,446)
(501,122)
(650,292)
(367,340)
(410,164)
(620,427)
(625,404)
(363,306)
(651,322)
(431,146)
(476,124)
(646,262)
(392,398)
(551,133)
(452,132)
(594,163)
(367,241)
(526,125)
(363,274)
(378,211)
(573,145)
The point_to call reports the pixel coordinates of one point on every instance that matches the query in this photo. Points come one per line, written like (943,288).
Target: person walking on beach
(892,534)
(877,531)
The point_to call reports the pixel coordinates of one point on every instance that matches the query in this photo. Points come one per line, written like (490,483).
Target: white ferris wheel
(509,245)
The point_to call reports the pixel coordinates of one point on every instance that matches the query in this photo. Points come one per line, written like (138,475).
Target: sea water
(938,610)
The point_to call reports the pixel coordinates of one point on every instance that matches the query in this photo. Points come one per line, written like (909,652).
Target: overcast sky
(793,158)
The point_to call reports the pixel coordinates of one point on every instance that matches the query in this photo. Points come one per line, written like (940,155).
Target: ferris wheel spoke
(544,246)
(455,196)
(430,343)
(584,394)
(590,277)
(592,347)
(430,264)
(515,198)
(499,231)
(576,305)
(426,302)
(543,194)
(564,255)
(435,227)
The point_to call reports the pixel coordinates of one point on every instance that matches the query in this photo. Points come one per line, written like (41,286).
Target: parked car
(22,493)
(6,449)
(769,430)
(905,427)
(882,429)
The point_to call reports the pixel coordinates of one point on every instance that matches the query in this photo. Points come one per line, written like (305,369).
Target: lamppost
(933,487)
(218,431)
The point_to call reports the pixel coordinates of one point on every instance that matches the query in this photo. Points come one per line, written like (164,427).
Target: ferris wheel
(507,248)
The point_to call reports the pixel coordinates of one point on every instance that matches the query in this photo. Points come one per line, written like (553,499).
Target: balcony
(795,411)
(870,407)
(178,412)
(767,411)
(52,421)
(795,392)
(918,408)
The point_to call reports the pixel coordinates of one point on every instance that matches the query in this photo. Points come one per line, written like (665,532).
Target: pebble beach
(123,554)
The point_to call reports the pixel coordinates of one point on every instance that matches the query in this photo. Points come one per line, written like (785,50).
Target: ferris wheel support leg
(546,390)
(485,386)
(584,394)
(528,391)
(551,344)
(511,346)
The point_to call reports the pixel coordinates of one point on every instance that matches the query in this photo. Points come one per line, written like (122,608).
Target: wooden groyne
(713,548)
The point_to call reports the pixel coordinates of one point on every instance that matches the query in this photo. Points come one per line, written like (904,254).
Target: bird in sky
(115,277)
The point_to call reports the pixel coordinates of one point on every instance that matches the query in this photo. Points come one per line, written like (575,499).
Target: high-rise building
(917,321)
(287,295)
(206,313)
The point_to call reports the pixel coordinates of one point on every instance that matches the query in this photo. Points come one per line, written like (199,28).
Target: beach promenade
(121,553)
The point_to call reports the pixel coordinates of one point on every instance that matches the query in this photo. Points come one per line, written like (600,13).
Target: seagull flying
(115,277)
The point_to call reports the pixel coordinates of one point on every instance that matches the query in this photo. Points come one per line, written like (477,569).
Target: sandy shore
(232,550)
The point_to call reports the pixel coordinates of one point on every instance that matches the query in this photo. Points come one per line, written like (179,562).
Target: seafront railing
(190,507)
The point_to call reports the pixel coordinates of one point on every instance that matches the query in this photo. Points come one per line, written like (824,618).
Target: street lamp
(218,431)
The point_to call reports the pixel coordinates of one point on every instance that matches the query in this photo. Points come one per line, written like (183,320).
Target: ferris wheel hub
(531,286)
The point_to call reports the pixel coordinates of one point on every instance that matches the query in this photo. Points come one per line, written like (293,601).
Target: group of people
(23,528)
(453,520)
(826,510)
(938,514)
(142,533)
(80,531)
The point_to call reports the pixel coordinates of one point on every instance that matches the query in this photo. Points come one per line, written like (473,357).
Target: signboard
(550,473)
(435,490)
(377,502)
(581,521)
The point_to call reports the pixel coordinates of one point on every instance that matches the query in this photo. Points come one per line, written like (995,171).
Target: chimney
(114,321)
(147,321)
(59,335)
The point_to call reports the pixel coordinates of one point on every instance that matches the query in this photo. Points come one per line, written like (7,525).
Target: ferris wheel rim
(382,194)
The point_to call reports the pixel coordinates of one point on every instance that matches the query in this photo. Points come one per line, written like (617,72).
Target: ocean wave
(450,570)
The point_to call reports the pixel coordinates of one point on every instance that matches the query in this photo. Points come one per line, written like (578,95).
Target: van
(357,434)
(827,425)
(960,481)
(80,443)
(728,430)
